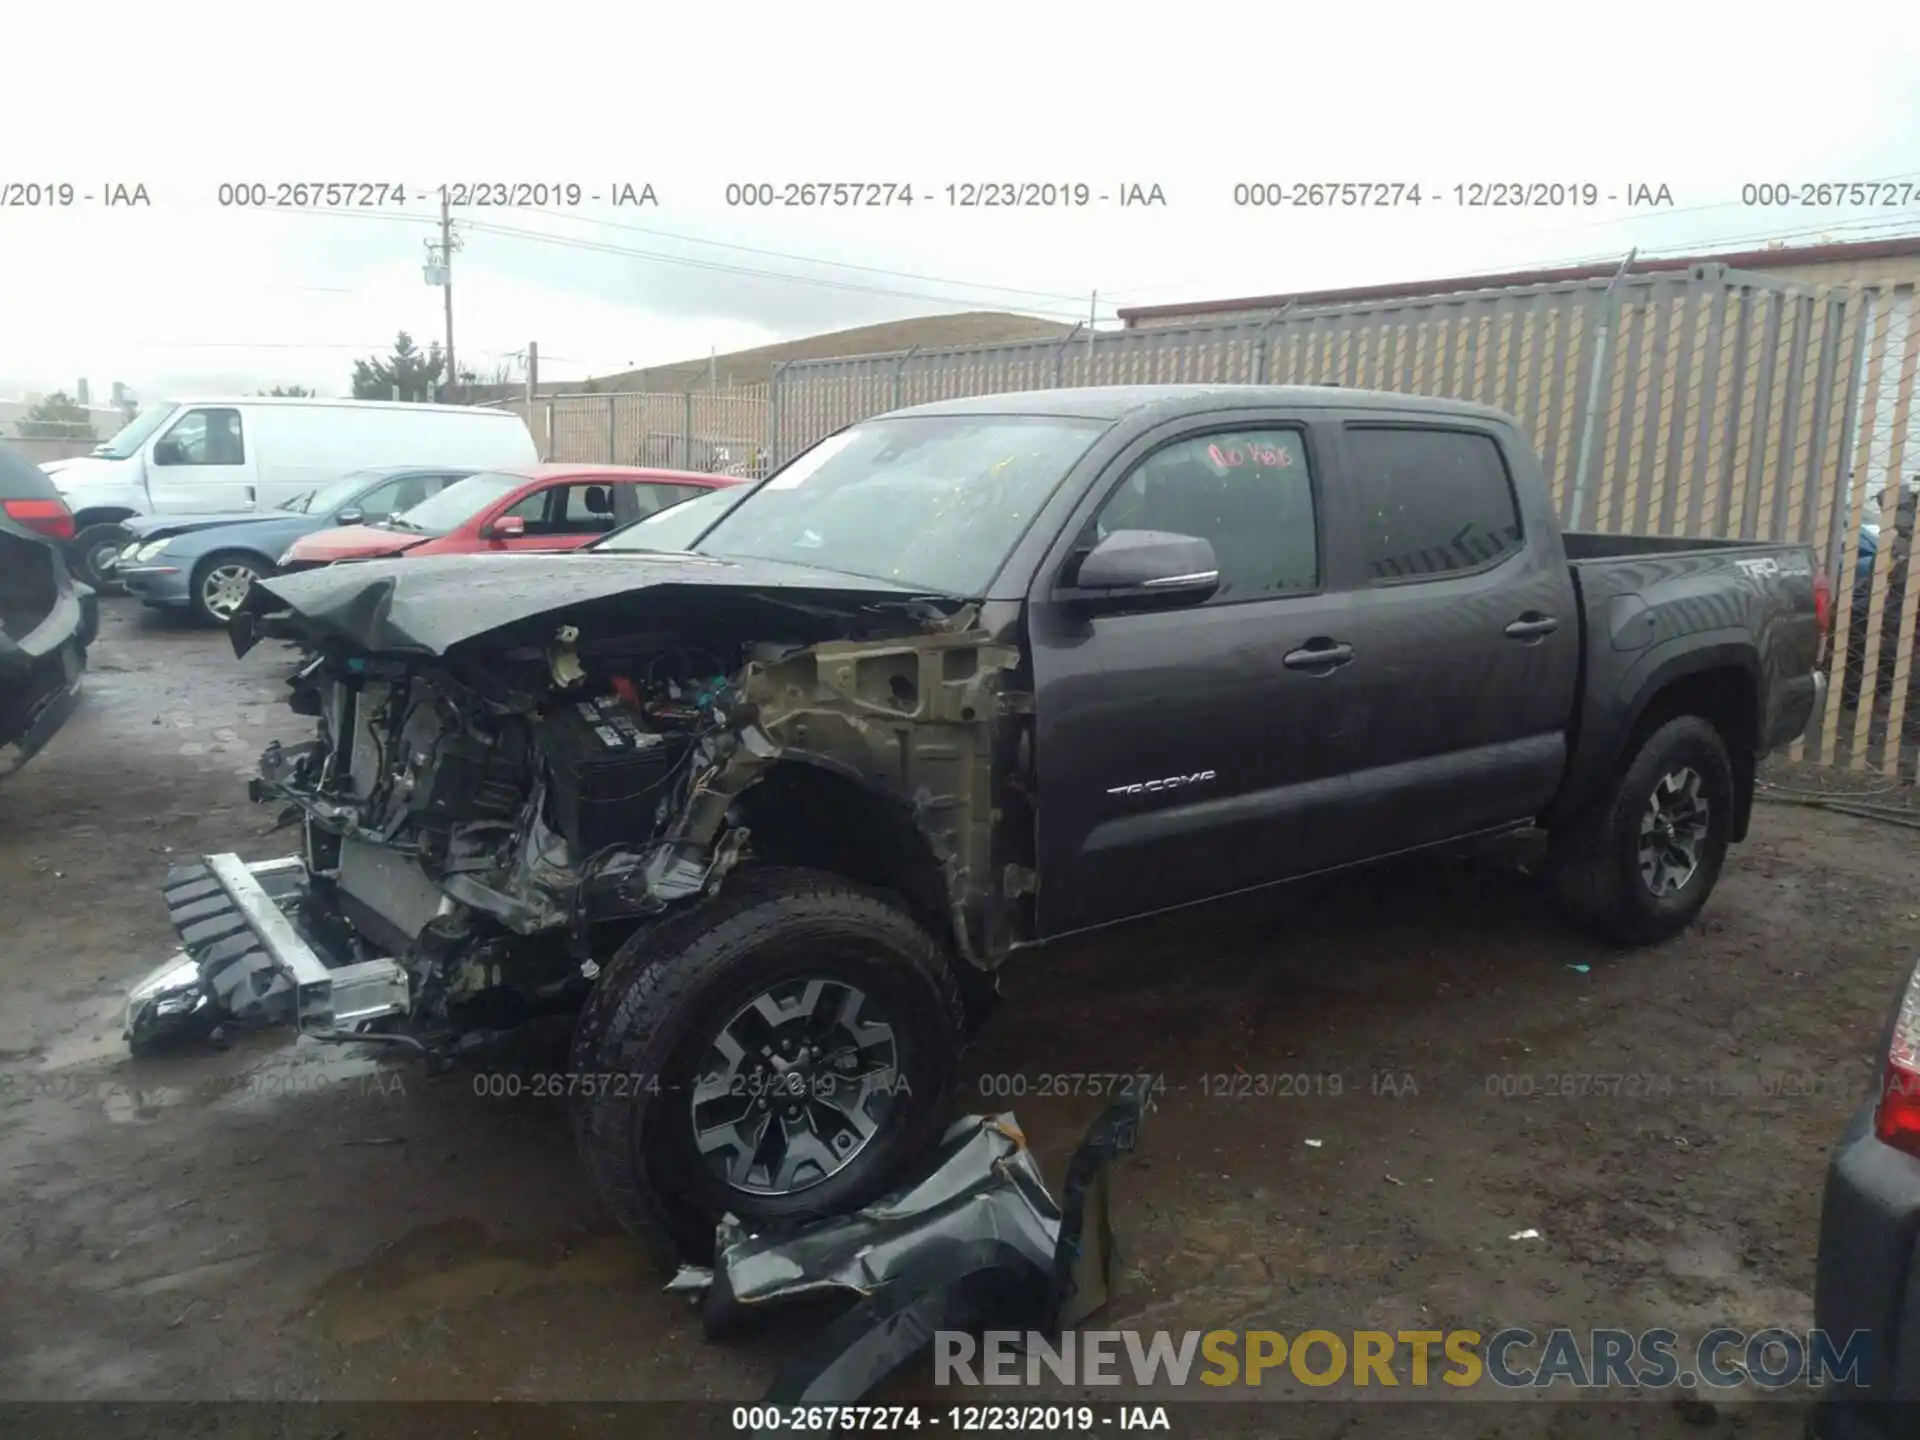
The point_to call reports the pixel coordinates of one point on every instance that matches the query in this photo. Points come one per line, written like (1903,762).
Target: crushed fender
(977,1242)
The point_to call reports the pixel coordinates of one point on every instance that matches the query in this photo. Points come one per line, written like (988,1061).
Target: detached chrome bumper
(245,961)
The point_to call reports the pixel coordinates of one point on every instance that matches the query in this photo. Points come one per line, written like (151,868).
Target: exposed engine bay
(480,827)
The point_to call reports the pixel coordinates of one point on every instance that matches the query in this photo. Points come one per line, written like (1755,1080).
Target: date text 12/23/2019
(960,1419)
(957,195)
(1466,195)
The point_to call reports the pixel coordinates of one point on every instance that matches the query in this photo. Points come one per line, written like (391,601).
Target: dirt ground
(295,1222)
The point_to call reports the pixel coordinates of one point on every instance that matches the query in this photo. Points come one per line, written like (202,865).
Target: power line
(365,346)
(1639,216)
(1896,227)
(719,267)
(807,259)
(1865,226)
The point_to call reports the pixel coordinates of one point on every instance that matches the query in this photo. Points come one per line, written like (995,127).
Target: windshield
(334,498)
(677,526)
(934,501)
(458,503)
(131,436)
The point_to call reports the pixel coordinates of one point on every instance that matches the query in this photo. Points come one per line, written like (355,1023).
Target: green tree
(411,371)
(58,417)
(290,391)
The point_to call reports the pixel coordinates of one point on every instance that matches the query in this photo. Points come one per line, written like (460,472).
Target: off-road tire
(1593,858)
(664,997)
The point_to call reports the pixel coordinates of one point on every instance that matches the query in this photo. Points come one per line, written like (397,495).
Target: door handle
(1531,626)
(1320,656)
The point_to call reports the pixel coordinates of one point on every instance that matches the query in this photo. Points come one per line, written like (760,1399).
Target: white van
(195,457)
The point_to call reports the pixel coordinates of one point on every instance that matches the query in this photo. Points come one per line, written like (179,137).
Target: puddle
(212,1271)
(94,1042)
(310,1068)
(1703,1261)
(90,1066)
(454,1265)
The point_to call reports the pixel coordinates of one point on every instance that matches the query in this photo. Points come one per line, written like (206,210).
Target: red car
(531,507)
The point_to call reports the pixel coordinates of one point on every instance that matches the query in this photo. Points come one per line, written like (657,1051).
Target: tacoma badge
(1172,782)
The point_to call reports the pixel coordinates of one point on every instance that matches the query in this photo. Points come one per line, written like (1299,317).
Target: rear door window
(1431,502)
(585,509)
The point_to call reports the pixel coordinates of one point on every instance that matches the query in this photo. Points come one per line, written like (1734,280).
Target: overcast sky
(186,295)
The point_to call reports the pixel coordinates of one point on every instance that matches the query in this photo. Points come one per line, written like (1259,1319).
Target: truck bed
(1742,613)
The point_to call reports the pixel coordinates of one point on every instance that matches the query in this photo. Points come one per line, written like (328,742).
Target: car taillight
(51,518)
(1822,604)
(1896,1118)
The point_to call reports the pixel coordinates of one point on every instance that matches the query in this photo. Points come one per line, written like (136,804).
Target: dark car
(47,619)
(1865,1267)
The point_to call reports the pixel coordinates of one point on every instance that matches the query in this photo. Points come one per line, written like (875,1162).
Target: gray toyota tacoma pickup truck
(959,681)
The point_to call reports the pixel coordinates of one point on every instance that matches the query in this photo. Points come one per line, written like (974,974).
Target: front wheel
(91,553)
(783,1051)
(1637,866)
(221,584)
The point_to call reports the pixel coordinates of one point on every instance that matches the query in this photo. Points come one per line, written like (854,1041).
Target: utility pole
(533,375)
(1093,316)
(439,271)
(446,259)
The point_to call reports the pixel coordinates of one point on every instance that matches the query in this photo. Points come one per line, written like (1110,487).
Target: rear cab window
(1430,502)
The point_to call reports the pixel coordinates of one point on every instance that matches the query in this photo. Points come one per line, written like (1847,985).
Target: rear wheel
(781,1051)
(1639,864)
(221,584)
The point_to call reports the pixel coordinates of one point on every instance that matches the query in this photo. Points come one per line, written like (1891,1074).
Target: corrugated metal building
(1886,263)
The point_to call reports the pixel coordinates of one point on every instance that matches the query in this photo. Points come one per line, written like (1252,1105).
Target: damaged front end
(520,759)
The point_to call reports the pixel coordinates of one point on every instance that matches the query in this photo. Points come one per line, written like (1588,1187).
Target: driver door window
(203,437)
(533,510)
(1245,492)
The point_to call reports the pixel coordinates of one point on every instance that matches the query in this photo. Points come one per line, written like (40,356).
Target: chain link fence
(716,432)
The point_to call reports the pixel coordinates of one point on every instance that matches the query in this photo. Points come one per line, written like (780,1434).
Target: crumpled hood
(359,542)
(157,527)
(430,603)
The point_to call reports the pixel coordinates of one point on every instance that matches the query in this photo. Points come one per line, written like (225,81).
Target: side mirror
(168,452)
(352,515)
(506,527)
(1144,569)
